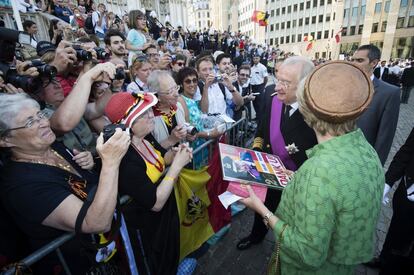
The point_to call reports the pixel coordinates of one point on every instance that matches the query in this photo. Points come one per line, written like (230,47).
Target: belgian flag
(260,17)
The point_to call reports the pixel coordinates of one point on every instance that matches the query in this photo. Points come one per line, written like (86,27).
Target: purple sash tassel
(276,138)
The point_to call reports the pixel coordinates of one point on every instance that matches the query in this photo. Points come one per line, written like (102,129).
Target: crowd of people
(113,106)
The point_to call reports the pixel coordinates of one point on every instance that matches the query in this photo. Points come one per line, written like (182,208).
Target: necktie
(286,115)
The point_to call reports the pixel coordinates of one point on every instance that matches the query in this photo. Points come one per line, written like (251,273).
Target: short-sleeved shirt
(136,39)
(258,73)
(95,19)
(216,102)
(31,192)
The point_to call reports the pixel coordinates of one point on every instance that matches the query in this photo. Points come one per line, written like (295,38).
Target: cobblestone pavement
(224,258)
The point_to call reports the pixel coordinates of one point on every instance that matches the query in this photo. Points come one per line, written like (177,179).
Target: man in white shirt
(258,80)
(215,92)
(100,21)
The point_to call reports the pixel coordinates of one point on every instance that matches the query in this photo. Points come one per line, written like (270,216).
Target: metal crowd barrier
(235,135)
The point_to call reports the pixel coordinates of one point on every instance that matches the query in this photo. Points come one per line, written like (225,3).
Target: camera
(44,69)
(120,74)
(101,54)
(191,130)
(109,130)
(173,58)
(27,83)
(82,54)
(218,77)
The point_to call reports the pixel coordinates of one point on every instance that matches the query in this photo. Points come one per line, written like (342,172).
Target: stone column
(368,20)
(390,30)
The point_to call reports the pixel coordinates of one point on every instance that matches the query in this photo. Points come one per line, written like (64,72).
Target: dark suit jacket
(402,163)
(407,78)
(379,121)
(377,73)
(295,131)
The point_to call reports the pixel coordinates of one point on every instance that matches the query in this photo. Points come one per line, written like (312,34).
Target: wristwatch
(266,218)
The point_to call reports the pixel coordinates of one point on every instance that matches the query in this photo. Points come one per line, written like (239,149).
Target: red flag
(254,16)
(337,38)
(309,47)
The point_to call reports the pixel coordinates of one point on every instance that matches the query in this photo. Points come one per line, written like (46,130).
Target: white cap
(215,54)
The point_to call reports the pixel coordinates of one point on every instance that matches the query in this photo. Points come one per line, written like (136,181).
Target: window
(320,18)
(288,25)
(277,12)
(299,37)
(289,9)
(319,35)
(208,14)
(307,21)
(344,30)
(277,26)
(384,26)
(326,34)
(378,7)
(287,39)
(282,26)
(313,19)
(301,6)
(315,3)
(352,30)
(282,40)
(293,38)
(276,41)
(306,34)
(374,27)
(272,27)
(346,11)
(329,2)
(323,54)
(300,22)
(271,41)
(295,7)
(404,3)
(355,12)
(400,22)
(328,18)
(283,10)
(293,23)
(387,6)
(334,17)
(411,21)
(272,13)
(360,28)
(363,11)
(321,3)
(308,5)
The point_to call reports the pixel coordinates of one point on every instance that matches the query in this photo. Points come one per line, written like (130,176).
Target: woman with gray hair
(328,212)
(170,127)
(45,187)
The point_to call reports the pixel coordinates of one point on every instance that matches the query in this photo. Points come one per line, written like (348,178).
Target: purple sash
(276,138)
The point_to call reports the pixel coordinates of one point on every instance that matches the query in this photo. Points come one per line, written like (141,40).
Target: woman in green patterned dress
(328,213)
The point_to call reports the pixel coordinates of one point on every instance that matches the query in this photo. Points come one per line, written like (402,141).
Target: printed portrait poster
(252,167)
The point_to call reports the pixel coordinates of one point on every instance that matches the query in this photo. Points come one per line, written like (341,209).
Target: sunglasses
(189,81)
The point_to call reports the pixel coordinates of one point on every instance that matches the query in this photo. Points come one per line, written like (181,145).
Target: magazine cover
(248,166)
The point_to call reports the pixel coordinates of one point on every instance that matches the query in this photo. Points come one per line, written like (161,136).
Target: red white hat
(126,108)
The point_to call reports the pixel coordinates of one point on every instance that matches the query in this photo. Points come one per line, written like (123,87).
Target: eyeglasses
(189,81)
(284,84)
(245,75)
(30,122)
(170,91)
(141,18)
(49,81)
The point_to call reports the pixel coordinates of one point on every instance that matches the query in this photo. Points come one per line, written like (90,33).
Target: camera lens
(120,74)
(44,69)
(101,53)
(82,54)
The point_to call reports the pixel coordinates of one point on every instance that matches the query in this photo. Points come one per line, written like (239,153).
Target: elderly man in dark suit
(283,132)
(379,121)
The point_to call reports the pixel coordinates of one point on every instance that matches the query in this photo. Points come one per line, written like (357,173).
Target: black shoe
(246,243)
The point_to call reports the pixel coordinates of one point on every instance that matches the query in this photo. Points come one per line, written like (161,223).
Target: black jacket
(377,73)
(402,163)
(407,78)
(296,131)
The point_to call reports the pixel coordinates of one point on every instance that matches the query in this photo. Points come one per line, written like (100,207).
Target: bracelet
(266,218)
(169,178)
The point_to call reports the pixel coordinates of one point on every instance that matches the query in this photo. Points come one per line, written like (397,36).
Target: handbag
(274,265)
